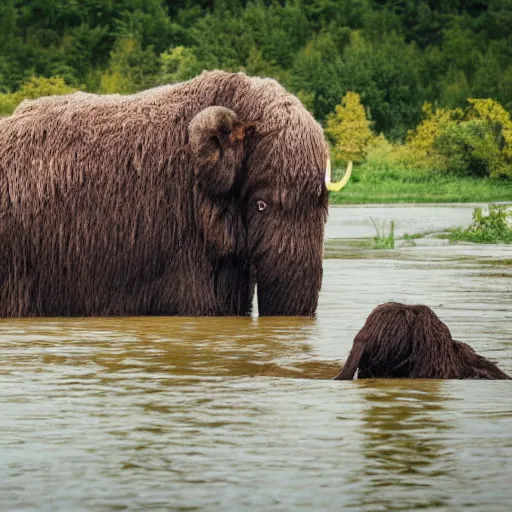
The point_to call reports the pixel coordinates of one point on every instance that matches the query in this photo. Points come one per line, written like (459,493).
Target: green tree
(475,141)
(396,54)
(349,129)
(387,75)
(316,75)
(257,65)
(470,148)
(178,64)
(131,68)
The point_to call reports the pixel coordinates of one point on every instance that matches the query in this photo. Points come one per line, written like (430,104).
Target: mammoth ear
(216,142)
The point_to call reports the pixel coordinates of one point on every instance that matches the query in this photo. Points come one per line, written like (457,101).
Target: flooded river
(239,413)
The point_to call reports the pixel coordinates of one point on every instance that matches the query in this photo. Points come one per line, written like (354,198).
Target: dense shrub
(475,141)
(500,124)
(34,88)
(494,227)
(469,148)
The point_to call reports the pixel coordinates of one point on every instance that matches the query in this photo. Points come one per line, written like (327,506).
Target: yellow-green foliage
(178,64)
(131,68)
(475,141)
(500,124)
(349,129)
(419,149)
(7,104)
(115,79)
(36,87)
(391,156)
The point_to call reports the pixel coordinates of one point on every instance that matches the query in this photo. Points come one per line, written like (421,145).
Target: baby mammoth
(401,341)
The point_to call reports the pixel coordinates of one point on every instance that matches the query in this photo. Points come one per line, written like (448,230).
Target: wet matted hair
(410,341)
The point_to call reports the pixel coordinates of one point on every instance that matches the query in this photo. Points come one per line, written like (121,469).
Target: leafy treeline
(475,141)
(395,54)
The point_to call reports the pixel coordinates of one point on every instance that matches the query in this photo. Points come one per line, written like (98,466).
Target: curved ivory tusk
(336,187)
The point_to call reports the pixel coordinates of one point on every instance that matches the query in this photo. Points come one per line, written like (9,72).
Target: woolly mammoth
(174,201)
(402,341)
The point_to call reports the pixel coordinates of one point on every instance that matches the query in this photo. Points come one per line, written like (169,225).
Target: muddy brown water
(240,414)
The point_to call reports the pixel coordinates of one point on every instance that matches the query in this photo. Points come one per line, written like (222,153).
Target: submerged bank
(418,232)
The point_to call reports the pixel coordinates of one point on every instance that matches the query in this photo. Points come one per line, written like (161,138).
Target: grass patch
(385,238)
(414,236)
(379,183)
(497,263)
(490,228)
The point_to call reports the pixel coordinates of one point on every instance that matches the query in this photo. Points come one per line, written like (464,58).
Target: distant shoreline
(370,186)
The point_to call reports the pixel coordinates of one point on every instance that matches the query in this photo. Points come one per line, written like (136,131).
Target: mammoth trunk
(289,288)
(286,249)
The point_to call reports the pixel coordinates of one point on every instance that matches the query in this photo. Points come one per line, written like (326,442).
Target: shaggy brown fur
(400,341)
(174,201)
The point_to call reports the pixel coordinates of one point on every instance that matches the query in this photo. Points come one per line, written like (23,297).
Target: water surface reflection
(240,346)
(404,454)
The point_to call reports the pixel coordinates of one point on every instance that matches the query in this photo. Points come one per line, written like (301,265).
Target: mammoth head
(261,198)
(216,140)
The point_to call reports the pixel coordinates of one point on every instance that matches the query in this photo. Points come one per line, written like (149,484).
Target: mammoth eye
(261,205)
